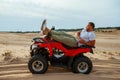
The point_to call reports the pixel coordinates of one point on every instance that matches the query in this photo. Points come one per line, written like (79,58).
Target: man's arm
(89,43)
(77,34)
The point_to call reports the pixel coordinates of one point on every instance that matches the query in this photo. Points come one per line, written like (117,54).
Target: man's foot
(44,30)
(43,25)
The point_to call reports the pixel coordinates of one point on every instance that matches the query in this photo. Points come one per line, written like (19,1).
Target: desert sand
(14,55)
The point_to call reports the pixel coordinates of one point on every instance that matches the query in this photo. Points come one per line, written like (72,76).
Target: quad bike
(58,54)
(46,52)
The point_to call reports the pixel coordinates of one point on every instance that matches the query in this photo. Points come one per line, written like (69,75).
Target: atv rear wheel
(37,65)
(82,65)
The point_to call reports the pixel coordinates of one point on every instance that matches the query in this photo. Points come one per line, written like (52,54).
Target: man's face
(89,27)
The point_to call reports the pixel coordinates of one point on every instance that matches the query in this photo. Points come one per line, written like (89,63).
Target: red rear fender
(75,52)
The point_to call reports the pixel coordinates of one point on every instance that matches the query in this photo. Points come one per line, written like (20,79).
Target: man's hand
(82,41)
(77,34)
(91,43)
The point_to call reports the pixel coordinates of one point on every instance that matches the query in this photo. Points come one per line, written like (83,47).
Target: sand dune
(100,71)
(14,55)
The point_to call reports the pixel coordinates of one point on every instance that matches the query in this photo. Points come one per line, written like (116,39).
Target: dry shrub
(119,54)
(110,53)
(15,60)
(7,55)
(112,58)
(104,52)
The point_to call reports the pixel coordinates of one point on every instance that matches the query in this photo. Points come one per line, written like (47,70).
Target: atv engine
(57,53)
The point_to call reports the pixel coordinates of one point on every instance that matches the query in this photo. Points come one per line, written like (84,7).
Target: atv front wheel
(82,65)
(37,65)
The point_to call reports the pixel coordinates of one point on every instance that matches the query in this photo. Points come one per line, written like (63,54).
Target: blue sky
(27,15)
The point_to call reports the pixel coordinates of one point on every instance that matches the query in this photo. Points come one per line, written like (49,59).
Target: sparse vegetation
(7,55)
(104,52)
(110,53)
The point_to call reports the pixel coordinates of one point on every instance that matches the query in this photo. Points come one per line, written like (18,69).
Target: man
(85,37)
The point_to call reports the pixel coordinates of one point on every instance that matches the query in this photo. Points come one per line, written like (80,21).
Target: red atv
(50,52)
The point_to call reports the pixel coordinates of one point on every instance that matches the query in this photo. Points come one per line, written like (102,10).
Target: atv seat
(87,46)
(82,46)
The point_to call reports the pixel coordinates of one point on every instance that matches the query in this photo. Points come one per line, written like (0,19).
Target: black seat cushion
(82,46)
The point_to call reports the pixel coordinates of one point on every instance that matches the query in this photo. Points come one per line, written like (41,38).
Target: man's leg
(62,33)
(64,38)
(59,36)
(44,30)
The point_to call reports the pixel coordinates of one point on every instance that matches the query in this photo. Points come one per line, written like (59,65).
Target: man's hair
(92,24)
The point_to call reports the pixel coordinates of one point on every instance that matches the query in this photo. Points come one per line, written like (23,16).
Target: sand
(14,55)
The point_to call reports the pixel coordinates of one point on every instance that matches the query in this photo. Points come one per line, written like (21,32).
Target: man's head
(90,26)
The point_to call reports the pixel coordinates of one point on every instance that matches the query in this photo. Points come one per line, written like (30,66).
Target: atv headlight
(34,46)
